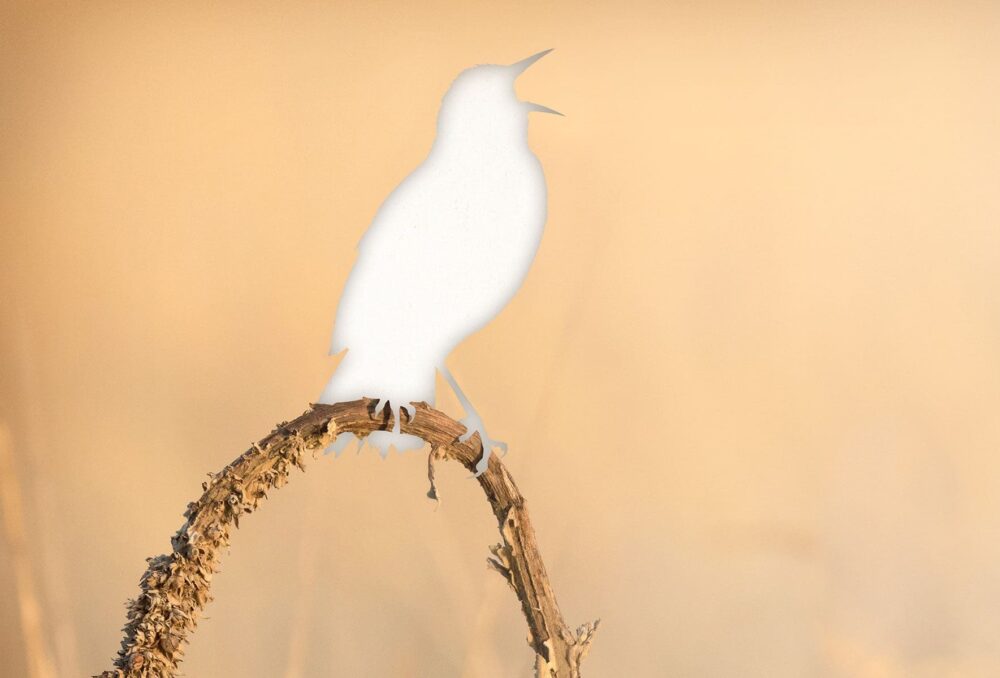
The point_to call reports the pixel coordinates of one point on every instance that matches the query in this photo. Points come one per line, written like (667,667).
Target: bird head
(481,102)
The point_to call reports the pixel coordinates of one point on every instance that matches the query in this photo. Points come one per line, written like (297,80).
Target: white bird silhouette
(445,253)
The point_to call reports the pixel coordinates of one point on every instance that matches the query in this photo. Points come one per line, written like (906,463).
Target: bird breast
(489,231)
(445,253)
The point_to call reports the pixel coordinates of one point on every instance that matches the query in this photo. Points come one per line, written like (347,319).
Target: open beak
(520,67)
(538,108)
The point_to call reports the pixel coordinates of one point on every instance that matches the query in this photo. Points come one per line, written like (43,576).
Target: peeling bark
(175,587)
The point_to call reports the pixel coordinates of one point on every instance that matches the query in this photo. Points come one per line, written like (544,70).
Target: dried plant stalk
(175,587)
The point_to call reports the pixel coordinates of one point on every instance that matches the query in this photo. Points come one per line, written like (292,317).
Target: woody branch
(175,587)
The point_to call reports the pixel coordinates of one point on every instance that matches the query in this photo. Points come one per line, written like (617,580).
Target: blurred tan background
(751,385)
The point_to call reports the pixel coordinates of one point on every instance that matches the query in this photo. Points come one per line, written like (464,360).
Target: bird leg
(473,424)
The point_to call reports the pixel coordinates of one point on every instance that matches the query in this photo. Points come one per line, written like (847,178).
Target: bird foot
(383,440)
(411,411)
(473,424)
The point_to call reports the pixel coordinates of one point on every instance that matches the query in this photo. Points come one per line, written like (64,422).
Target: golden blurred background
(751,385)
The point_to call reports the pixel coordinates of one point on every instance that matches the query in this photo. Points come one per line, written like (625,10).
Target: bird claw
(395,410)
(383,440)
(473,424)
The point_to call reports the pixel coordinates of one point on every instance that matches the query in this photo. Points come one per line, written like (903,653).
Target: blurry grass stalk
(48,530)
(38,661)
(299,628)
(54,581)
(481,657)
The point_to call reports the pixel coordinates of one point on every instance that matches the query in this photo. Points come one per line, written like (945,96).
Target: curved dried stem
(175,587)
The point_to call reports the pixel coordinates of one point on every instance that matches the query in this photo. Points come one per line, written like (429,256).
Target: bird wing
(382,293)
